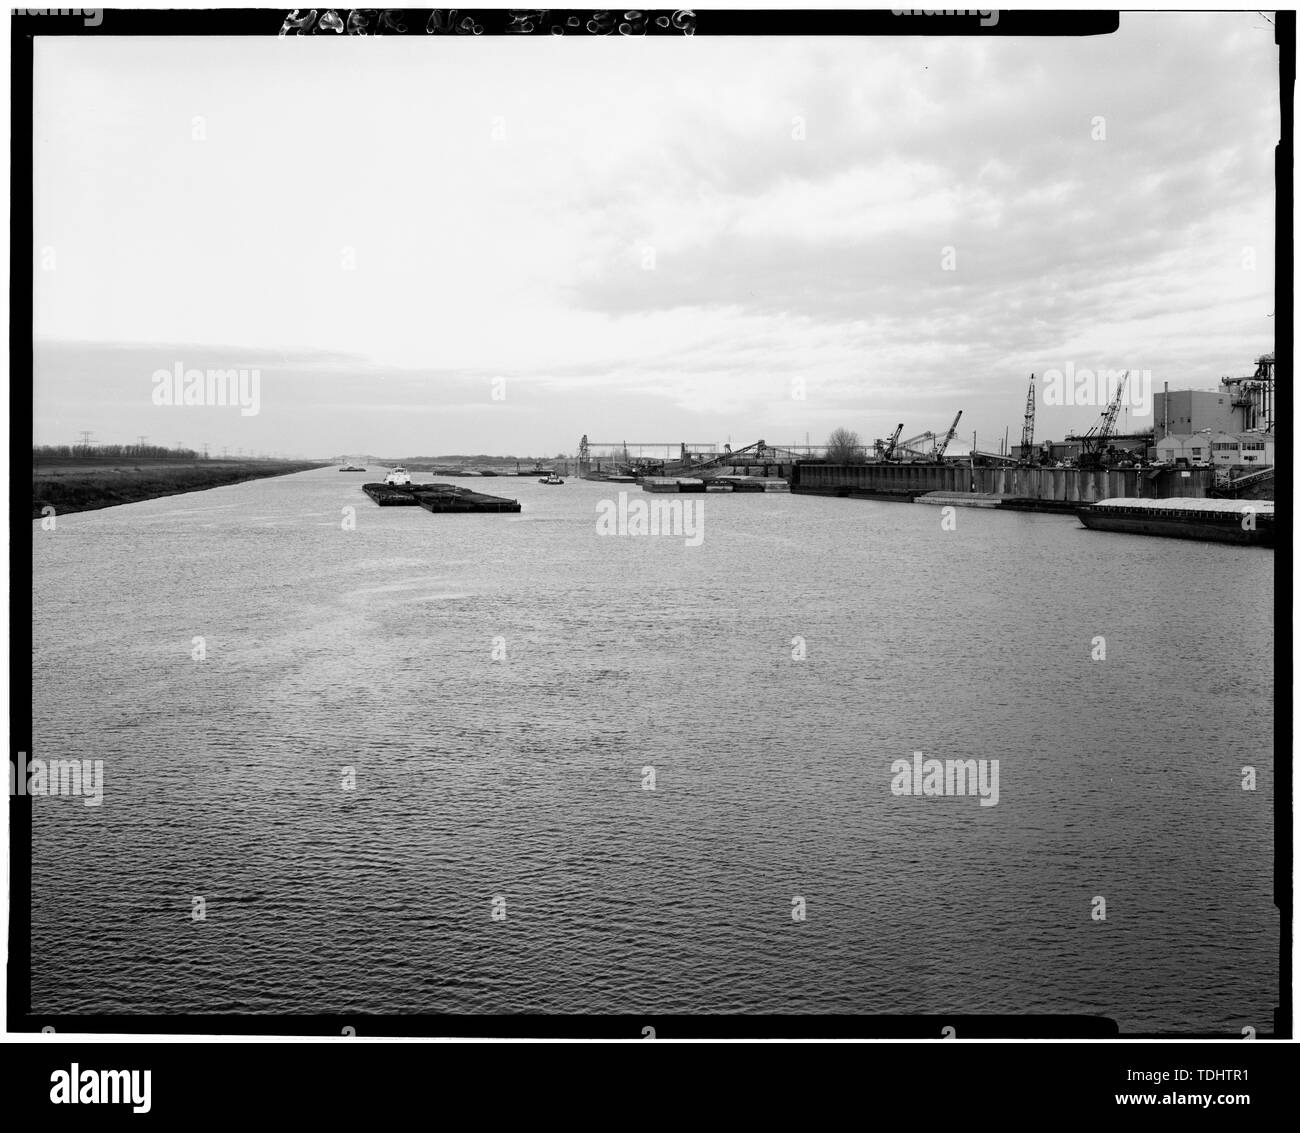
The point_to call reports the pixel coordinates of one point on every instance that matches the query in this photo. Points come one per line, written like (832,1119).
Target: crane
(1027,433)
(885,449)
(1093,445)
(952,432)
(910,447)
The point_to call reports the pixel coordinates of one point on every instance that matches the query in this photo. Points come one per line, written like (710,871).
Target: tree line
(110,452)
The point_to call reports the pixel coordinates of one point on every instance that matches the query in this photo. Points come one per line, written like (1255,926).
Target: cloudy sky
(651,240)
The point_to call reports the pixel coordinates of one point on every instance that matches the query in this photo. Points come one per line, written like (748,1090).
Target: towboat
(551,479)
(398,476)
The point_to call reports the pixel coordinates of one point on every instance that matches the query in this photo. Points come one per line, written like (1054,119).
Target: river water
(500,688)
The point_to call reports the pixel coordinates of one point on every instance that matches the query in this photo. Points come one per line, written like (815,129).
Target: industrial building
(1223,450)
(1238,405)
(1186,412)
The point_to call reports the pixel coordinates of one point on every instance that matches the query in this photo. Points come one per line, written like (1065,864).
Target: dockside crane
(942,446)
(885,449)
(1093,447)
(910,448)
(1027,433)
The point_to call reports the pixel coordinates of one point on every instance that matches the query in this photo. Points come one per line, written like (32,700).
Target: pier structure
(1048,489)
(998,477)
(601,460)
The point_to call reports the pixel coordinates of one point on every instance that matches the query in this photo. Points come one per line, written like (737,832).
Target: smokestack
(1166,425)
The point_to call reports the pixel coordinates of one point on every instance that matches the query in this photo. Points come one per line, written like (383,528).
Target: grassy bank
(87,485)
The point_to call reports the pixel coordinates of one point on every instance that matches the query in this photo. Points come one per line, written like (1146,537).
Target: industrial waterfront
(500,685)
(1205,443)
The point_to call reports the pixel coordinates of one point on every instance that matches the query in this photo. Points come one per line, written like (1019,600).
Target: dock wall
(1057,484)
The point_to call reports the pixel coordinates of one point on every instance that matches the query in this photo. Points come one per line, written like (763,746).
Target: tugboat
(553,478)
(398,477)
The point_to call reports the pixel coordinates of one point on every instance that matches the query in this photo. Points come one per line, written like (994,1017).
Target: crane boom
(952,432)
(888,450)
(1112,410)
(1094,440)
(1027,433)
(912,442)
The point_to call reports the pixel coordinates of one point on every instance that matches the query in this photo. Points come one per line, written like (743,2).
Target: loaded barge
(438,498)
(1220,521)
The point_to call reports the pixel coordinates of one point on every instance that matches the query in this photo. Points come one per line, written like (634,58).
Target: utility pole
(86,434)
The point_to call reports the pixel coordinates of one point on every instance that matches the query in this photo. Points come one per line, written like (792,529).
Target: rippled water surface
(521,777)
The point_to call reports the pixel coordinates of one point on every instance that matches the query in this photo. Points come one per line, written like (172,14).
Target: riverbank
(87,486)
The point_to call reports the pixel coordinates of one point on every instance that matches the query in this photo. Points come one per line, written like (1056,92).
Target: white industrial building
(1226,450)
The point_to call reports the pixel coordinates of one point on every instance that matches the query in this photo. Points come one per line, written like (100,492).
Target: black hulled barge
(1218,521)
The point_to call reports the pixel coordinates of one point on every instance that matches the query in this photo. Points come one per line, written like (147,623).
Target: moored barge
(1219,521)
